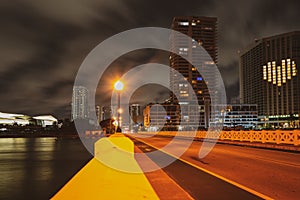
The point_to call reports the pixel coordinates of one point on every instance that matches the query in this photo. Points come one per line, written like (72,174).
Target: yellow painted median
(104,181)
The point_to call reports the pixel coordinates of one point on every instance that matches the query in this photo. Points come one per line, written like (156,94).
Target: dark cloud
(43,43)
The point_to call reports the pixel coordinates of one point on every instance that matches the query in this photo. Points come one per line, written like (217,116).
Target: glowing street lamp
(119,87)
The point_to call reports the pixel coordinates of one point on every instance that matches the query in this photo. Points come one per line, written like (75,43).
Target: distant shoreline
(10,135)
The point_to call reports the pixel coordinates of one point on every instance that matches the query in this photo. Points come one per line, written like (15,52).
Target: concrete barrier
(99,181)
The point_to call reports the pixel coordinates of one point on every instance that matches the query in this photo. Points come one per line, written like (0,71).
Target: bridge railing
(286,137)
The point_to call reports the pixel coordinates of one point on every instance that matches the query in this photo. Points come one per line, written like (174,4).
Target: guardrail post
(296,134)
(263,137)
(278,137)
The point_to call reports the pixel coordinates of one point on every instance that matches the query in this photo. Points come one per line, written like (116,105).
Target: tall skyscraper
(80,106)
(269,78)
(203,31)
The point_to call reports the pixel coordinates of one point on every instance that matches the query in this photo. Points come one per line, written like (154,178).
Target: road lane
(197,183)
(274,173)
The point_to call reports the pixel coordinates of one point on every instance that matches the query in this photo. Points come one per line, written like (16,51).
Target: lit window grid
(278,75)
(294,70)
(283,69)
(269,72)
(274,72)
(265,72)
(289,69)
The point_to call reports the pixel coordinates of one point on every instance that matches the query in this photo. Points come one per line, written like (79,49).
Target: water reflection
(35,168)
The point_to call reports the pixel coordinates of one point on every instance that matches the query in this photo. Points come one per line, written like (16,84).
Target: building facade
(80,106)
(269,78)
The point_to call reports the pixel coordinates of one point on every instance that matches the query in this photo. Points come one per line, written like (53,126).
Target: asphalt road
(270,172)
(198,184)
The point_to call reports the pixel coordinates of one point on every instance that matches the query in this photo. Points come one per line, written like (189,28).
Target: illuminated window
(278,75)
(184,95)
(265,72)
(283,68)
(183,23)
(209,63)
(294,70)
(193,24)
(274,72)
(199,92)
(183,49)
(193,69)
(269,72)
(288,69)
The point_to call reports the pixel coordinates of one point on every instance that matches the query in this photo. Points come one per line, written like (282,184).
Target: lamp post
(119,87)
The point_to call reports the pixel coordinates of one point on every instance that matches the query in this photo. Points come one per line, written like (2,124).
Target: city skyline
(43,44)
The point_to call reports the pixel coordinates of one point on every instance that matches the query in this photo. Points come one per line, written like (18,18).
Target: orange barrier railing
(290,137)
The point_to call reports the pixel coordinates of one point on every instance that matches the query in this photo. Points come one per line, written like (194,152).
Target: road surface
(270,172)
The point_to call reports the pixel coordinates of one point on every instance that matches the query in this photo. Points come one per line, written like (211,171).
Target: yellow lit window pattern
(274,72)
(280,74)
(294,70)
(283,71)
(265,72)
(289,69)
(269,72)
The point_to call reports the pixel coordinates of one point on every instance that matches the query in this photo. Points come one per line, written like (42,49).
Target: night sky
(43,43)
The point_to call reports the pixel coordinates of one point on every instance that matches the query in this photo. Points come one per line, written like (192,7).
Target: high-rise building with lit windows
(80,106)
(269,78)
(203,31)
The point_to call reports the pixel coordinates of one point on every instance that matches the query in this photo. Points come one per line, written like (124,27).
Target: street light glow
(119,85)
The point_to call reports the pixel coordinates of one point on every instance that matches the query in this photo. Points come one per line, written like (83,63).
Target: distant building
(14,119)
(98,113)
(270,79)
(80,106)
(238,116)
(45,120)
(108,112)
(203,30)
(135,112)
(173,117)
(161,117)
(22,120)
